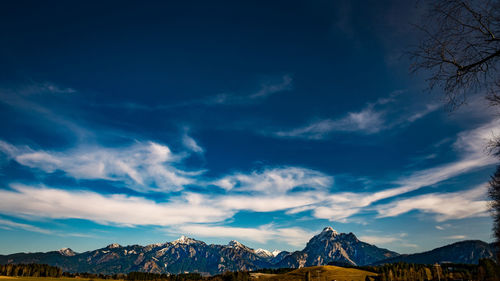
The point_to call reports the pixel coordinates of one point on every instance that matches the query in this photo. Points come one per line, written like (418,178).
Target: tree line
(32,270)
(486,270)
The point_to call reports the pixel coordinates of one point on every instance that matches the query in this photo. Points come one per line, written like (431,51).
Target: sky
(258,121)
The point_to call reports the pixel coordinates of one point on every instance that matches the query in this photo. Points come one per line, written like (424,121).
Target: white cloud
(144,165)
(184,213)
(445,206)
(191,144)
(45,202)
(265,203)
(276,180)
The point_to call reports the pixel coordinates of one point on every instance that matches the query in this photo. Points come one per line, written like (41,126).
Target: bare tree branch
(460,50)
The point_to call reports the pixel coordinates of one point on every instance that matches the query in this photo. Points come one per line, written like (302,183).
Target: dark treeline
(44,270)
(486,270)
(32,270)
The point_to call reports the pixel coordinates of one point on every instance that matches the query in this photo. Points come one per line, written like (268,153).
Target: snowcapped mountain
(67,252)
(188,254)
(186,240)
(264,253)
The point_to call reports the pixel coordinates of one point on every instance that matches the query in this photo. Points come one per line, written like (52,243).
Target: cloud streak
(266,89)
(7,224)
(45,202)
(371,119)
(445,206)
(144,166)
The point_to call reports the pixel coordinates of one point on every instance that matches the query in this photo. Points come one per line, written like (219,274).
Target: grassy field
(20,278)
(320,273)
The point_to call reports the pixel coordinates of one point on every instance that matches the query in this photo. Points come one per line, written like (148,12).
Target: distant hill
(468,252)
(190,255)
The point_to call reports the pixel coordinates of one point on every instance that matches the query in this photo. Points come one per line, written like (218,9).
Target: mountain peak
(235,244)
(328,233)
(185,240)
(263,253)
(67,252)
(114,246)
(329,229)
(276,252)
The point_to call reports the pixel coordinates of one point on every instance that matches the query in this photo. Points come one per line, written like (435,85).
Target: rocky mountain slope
(190,255)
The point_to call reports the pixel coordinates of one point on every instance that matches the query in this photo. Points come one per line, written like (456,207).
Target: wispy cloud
(144,165)
(275,180)
(367,121)
(26,98)
(45,202)
(445,206)
(10,224)
(191,143)
(371,119)
(266,89)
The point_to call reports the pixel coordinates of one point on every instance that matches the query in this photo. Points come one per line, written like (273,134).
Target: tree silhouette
(461,48)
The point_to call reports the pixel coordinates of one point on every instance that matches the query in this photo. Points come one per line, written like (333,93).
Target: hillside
(327,272)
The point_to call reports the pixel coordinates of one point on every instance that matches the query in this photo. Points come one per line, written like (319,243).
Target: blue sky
(256,121)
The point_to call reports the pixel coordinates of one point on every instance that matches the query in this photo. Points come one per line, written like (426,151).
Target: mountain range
(190,255)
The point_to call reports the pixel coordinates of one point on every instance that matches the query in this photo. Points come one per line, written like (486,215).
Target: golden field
(319,273)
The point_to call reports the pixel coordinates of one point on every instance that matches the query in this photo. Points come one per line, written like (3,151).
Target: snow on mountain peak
(234,243)
(276,252)
(263,253)
(328,233)
(114,246)
(67,252)
(185,240)
(329,229)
